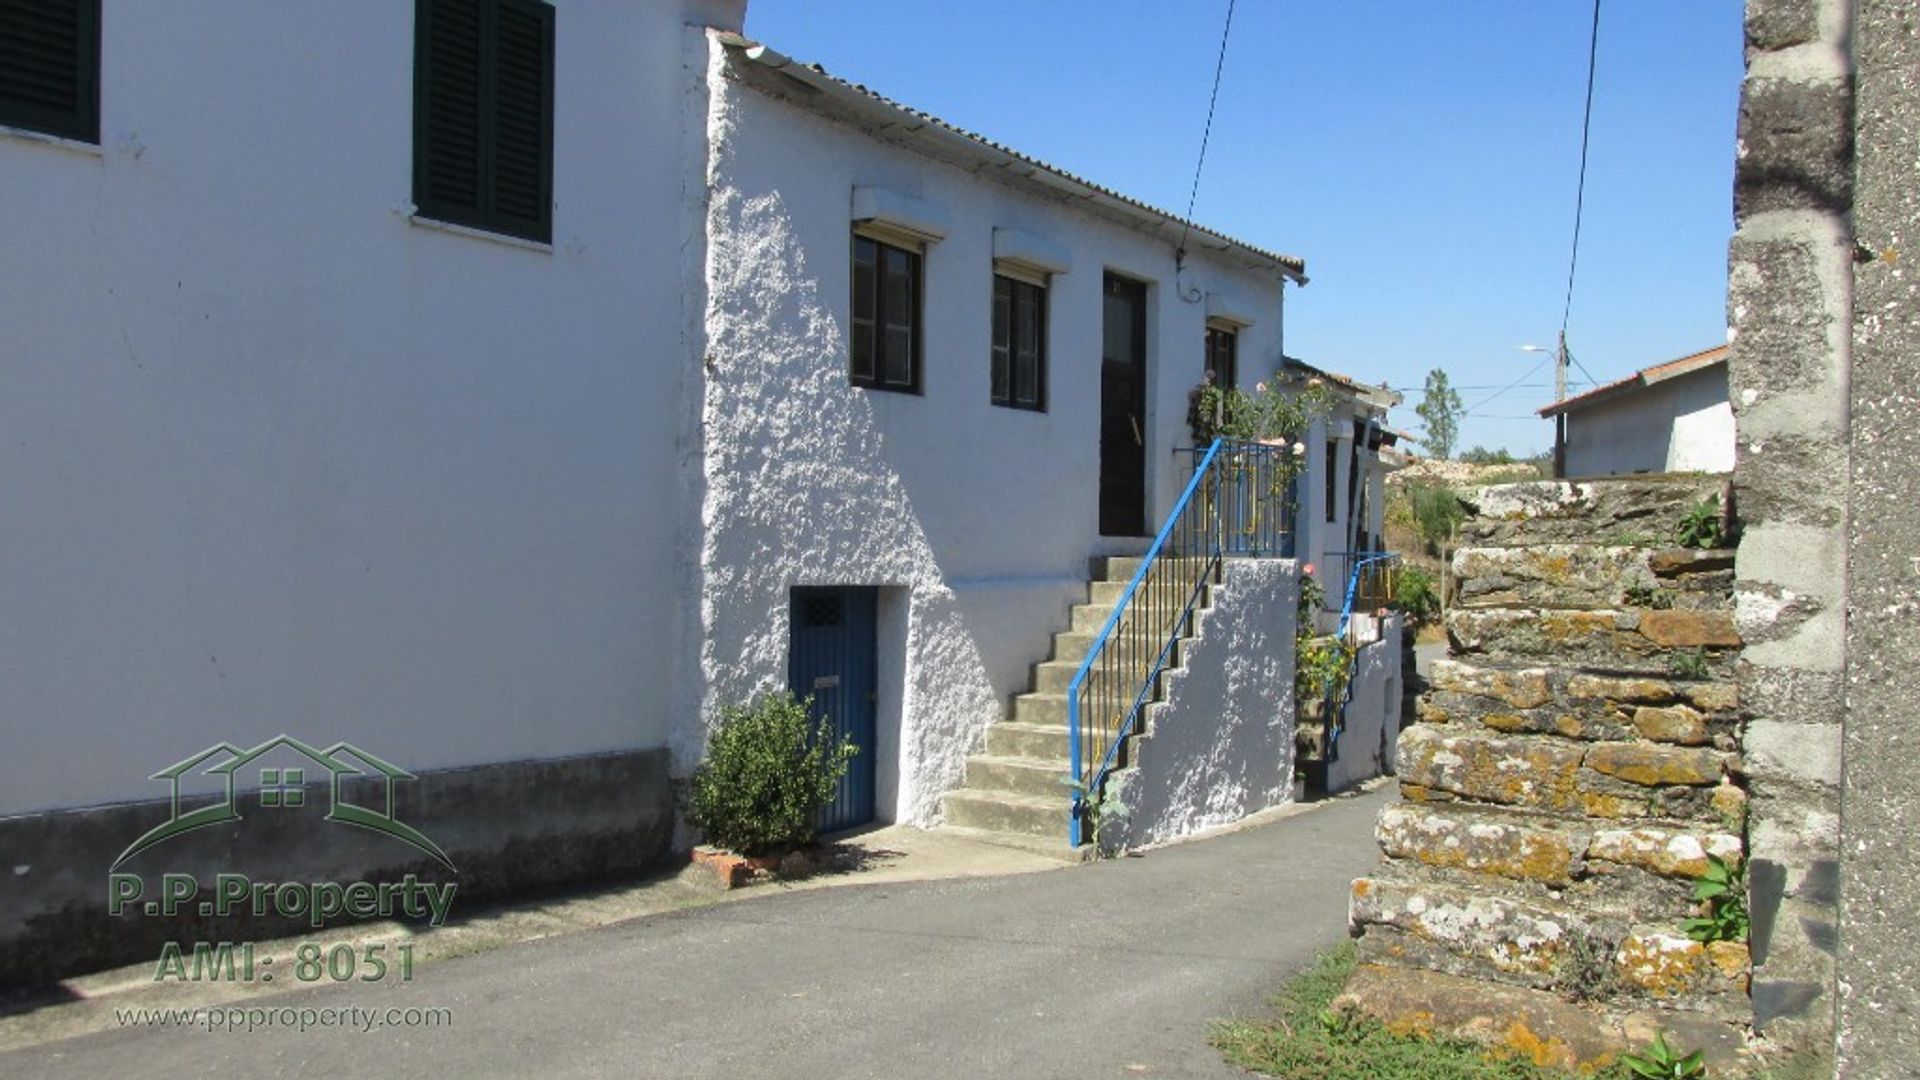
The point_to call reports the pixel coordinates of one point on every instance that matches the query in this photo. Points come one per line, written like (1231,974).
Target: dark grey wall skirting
(508,828)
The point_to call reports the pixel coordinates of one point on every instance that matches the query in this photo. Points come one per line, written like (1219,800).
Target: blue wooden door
(831,659)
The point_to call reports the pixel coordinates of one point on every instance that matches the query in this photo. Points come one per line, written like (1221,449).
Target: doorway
(1123,398)
(832,658)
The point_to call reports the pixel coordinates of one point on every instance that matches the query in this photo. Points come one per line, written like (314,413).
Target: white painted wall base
(1221,746)
(1373,716)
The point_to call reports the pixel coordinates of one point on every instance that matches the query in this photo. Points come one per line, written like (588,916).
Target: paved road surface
(1108,970)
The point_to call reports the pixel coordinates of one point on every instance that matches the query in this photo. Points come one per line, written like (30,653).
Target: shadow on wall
(1221,744)
(800,491)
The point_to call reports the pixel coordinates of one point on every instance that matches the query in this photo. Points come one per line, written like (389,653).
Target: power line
(1468,411)
(1580,194)
(1206,133)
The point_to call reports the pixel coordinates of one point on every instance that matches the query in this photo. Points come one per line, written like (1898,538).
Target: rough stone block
(1796,145)
(1684,562)
(1522,688)
(1549,575)
(1606,640)
(1689,629)
(1513,772)
(1532,1024)
(1494,936)
(1667,852)
(1481,843)
(1625,511)
(1776,24)
(1674,724)
(1658,766)
(1677,968)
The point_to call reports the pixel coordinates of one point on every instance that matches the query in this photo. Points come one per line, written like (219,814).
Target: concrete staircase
(1015,789)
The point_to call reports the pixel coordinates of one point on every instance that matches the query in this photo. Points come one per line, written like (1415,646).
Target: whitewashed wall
(277,459)
(1221,746)
(1373,714)
(1680,425)
(982,516)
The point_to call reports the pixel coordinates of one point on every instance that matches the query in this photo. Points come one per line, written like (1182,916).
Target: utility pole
(1560,419)
(1560,370)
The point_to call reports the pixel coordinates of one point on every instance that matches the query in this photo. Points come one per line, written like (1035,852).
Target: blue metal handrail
(1336,711)
(1127,655)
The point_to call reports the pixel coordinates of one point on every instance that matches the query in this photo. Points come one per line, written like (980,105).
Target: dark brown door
(1123,414)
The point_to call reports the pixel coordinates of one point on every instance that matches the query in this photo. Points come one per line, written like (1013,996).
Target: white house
(1672,417)
(520,382)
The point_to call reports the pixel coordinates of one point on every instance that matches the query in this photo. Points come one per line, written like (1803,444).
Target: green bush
(1700,527)
(769,771)
(1416,595)
(1437,511)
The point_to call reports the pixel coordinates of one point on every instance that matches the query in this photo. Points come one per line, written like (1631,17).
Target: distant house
(1672,417)
(1342,504)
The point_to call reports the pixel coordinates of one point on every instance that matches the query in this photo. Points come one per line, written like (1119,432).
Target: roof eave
(862,104)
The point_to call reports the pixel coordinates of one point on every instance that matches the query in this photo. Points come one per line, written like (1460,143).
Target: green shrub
(1700,527)
(1437,512)
(769,771)
(1663,1062)
(1321,668)
(1723,889)
(1416,595)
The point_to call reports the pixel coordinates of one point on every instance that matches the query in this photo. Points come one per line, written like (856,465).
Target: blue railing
(1369,587)
(1236,503)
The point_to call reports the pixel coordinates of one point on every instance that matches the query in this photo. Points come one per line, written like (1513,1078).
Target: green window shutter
(447,152)
(522,118)
(483,114)
(50,67)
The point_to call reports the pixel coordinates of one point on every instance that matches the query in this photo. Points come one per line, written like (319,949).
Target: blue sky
(1420,156)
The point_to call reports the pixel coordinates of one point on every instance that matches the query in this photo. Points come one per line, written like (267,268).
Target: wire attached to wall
(1193,193)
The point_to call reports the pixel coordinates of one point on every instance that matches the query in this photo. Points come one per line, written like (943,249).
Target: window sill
(58,142)
(414,217)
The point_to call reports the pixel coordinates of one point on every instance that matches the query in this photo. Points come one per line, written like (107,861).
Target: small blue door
(831,659)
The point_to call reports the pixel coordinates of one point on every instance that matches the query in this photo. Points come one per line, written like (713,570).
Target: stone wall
(1575,763)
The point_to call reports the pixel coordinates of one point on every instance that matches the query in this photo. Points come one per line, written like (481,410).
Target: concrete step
(1041,777)
(1110,592)
(1055,846)
(1050,710)
(1053,676)
(1038,741)
(1092,617)
(1009,812)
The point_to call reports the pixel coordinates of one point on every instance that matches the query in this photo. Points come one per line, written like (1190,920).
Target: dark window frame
(870,330)
(1222,356)
(486,211)
(79,118)
(1003,356)
(1333,480)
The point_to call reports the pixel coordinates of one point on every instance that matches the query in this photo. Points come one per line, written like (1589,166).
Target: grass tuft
(1310,1040)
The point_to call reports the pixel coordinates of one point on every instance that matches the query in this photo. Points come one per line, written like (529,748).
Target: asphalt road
(1108,970)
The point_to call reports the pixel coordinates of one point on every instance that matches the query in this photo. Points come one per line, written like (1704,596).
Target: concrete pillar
(1790,309)
(1879,999)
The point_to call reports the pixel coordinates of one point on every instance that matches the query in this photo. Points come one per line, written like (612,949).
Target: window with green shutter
(50,67)
(483,114)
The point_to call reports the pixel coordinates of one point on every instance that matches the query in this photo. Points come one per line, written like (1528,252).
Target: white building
(494,394)
(1672,417)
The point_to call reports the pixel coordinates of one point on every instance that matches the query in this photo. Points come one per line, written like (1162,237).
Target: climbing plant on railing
(1268,414)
